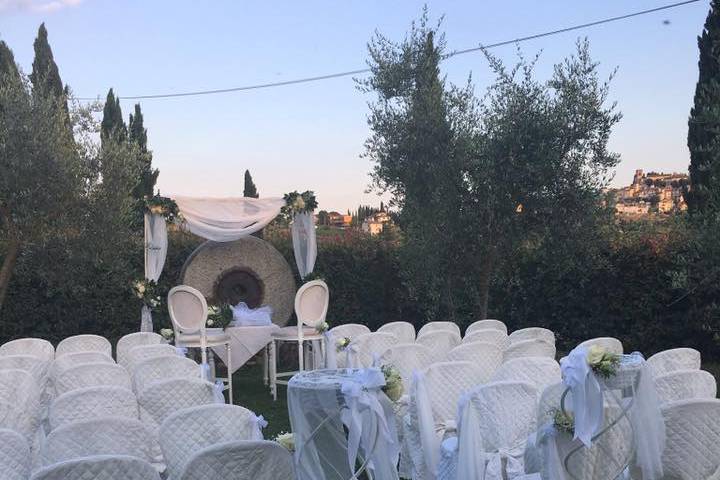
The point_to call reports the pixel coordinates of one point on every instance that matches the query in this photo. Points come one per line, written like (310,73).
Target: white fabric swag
(156,245)
(304,242)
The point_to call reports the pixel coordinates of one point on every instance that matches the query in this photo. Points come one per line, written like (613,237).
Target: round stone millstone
(249,266)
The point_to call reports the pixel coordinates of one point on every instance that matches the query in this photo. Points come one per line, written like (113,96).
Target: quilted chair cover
(84,343)
(166,367)
(71,360)
(99,436)
(23,399)
(404,331)
(530,348)
(685,385)
(538,371)
(439,326)
(99,467)
(190,430)
(139,354)
(488,335)
(674,359)
(14,456)
(367,349)
(439,342)
(161,399)
(608,343)
(132,340)
(351,331)
(533,333)
(243,460)
(92,402)
(92,375)
(489,324)
(692,448)
(29,346)
(38,368)
(486,356)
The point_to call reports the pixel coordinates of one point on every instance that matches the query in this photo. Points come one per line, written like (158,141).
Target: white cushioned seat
(99,467)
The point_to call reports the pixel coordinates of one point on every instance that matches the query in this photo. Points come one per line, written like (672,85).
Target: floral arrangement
(299,203)
(603,363)
(164,206)
(322,328)
(147,291)
(219,316)
(168,334)
(342,344)
(286,440)
(563,422)
(393,382)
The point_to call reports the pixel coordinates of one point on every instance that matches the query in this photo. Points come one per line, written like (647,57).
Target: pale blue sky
(310,136)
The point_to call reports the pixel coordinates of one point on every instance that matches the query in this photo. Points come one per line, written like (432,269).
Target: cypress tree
(704,123)
(250,189)
(45,76)
(148,176)
(113,125)
(136,129)
(8,68)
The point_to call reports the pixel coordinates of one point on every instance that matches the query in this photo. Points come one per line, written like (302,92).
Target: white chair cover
(365,350)
(437,326)
(486,356)
(92,375)
(29,346)
(610,344)
(160,399)
(404,331)
(538,371)
(530,348)
(14,456)
(22,403)
(139,354)
(84,343)
(675,359)
(489,324)
(335,334)
(157,369)
(439,342)
(92,402)
(70,360)
(100,467)
(35,366)
(241,460)
(132,340)
(408,358)
(190,430)
(685,385)
(533,333)
(488,335)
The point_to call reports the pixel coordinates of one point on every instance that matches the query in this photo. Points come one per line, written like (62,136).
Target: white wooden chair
(15,458)
(488,335)
(533,333)
(29,346)
(366,349)
(439,342)
(685,385)
(538,371)
(132,340)
(157,369)
(487,357)
(486,324)
(92,402)
(404,331)
(241,460)
(188,312)
(99,467)
(84,343)
(610,344)
(529,348)
(311,306)
(674,359)
(92,375)
(439,326)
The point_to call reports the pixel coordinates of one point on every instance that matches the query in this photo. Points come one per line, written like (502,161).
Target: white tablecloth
(245,343)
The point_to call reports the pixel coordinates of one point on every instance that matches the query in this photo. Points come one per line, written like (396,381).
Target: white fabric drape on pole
(304,242)
(156,245)
(227,219)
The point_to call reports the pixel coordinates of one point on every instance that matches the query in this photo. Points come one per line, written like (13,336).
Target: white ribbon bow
(513,465)
(259,423)
(587,395)
(351,352)
(182,351)
(218,391)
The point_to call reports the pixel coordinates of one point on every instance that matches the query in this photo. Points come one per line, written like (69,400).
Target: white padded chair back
(99,436)
(685,385)
(139,354)
(489,324)
(92,402)
(404,331)
(84,343)
(533,333)
(132,340)
(35,366)
(99,467)
(70,360)
(674,359)
(538,371)
(14,456)
(438,326)
(160,399)
(188,309)
(371,346)
(244,460)
(311,303)
(692,446)
(446,382)
(22,399)
(157,369)
(486,356)
(408,358)
(439,342)
(349,330)
(187,431)
(610,344)
(29,346)
(530,348)
(92,375)
(488,335)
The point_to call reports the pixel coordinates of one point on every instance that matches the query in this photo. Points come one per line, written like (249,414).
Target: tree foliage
(249,189)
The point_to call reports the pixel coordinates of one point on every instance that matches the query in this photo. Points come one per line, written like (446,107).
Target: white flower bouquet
(342,344)
(287,440)
(393,382)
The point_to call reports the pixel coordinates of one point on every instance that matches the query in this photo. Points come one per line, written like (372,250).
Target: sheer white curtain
(156,244)
(304,242)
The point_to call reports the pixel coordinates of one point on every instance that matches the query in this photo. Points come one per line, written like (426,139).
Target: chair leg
(265,365)
(273,370)
(301,357)
(203,356)
(229,372)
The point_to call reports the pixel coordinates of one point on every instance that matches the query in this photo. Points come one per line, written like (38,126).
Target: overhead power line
(366,70)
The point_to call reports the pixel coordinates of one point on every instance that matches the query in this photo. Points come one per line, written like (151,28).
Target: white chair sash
(648,423)
(330,350)
(426,422)
(587,396)
(259,423)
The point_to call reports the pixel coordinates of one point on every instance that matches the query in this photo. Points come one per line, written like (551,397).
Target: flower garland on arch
(164,206)
(299,203)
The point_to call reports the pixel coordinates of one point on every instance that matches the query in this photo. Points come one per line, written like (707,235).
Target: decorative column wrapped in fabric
(304,242)
(156,245)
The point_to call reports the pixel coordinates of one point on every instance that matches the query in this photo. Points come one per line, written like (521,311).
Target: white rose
(167,333)
(210,322)
(595,355)
(287,440)
(299,203)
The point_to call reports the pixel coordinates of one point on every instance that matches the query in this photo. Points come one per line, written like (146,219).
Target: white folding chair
(311,306)
(161,399)
(612,345)
(70,360)
(84,343)
(685,385)
(674,359)
(439,342)
(136,355)
(489,324)
(404,331)
(188,312)
(365,350)
(241,460)
(132,340)
(99,467)
(92,375)
(439,326)
(190,430)
(487,356)
(530,348)
(29,346)
(15,458)
(157,369)
(533,333)
(538,371)
(92,402)
(488,335)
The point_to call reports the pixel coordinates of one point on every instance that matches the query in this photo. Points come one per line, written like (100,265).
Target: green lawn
(251,393)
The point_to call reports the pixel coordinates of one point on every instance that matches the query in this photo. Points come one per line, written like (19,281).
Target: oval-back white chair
(349,330)
(685,385)
(190,430)
(92,402)
(692,446)
(533,333)
(139,354)
(29,346)
(84,343)
(98,436)
(160,399)
(99,467)
(674,359)
(243,460)
(439,342)
(92,375)
(488,335)
(439,326)
(489,324)
(404,331)
(408,358)
(15,457)
(132,340)
(539,371)
(366,349)
(530,348)
(487,356)
(610,344)
(157,369)
(70,360)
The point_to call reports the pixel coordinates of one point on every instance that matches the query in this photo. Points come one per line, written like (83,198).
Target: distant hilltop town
(368,219)
(650,193)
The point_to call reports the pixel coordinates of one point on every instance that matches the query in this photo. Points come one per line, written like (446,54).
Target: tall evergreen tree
(113,125)
(704,123)
(8,68)
(250,189)
(45,76)
(137,130)
(148,175)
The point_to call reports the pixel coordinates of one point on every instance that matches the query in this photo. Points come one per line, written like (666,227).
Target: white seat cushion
(292,332)
(194,338)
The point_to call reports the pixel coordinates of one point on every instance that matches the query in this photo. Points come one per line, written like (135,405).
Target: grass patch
(250,392)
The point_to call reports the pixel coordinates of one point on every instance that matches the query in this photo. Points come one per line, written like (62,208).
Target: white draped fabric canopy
(156,244)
